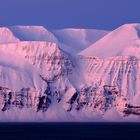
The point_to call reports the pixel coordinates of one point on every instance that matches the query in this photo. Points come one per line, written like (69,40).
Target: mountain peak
(120,42)
(6,36)
(33,33)
(132,27)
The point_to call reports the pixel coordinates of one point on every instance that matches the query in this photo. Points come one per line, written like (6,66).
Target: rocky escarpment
(122,72)
(107,82)
(32,98)
(93,99)
(89,98)
(24,98)
(46,56)
(111,82)
(51,64)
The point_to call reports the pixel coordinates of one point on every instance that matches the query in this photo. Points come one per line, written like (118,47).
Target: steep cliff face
(50,64)
(24,98)
(106,82)
(93,99)
(122,72)
(16,72)
(114,61)
(39,76)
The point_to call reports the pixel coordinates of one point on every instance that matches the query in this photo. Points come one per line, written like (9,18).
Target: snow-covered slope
(121,72)
(33,33)
(50,61)
(7,36)
(112,63)
(73,41)
(40,66)
(16,72)
(39,79)
(123,41)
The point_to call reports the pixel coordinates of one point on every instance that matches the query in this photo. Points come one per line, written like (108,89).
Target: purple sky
(101,14)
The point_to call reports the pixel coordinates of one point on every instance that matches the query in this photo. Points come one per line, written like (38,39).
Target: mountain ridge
(114,44)
(50,80)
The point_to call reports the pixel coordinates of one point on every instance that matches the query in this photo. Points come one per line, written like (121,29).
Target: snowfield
(69,74)
(124,41)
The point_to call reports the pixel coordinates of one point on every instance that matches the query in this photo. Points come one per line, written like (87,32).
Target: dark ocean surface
(70,131)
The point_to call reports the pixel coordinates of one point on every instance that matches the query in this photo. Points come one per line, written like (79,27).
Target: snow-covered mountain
(113,62)
(6,36)
(124,41)
(32,33)
(42,76)
(51,64)
(72,41)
